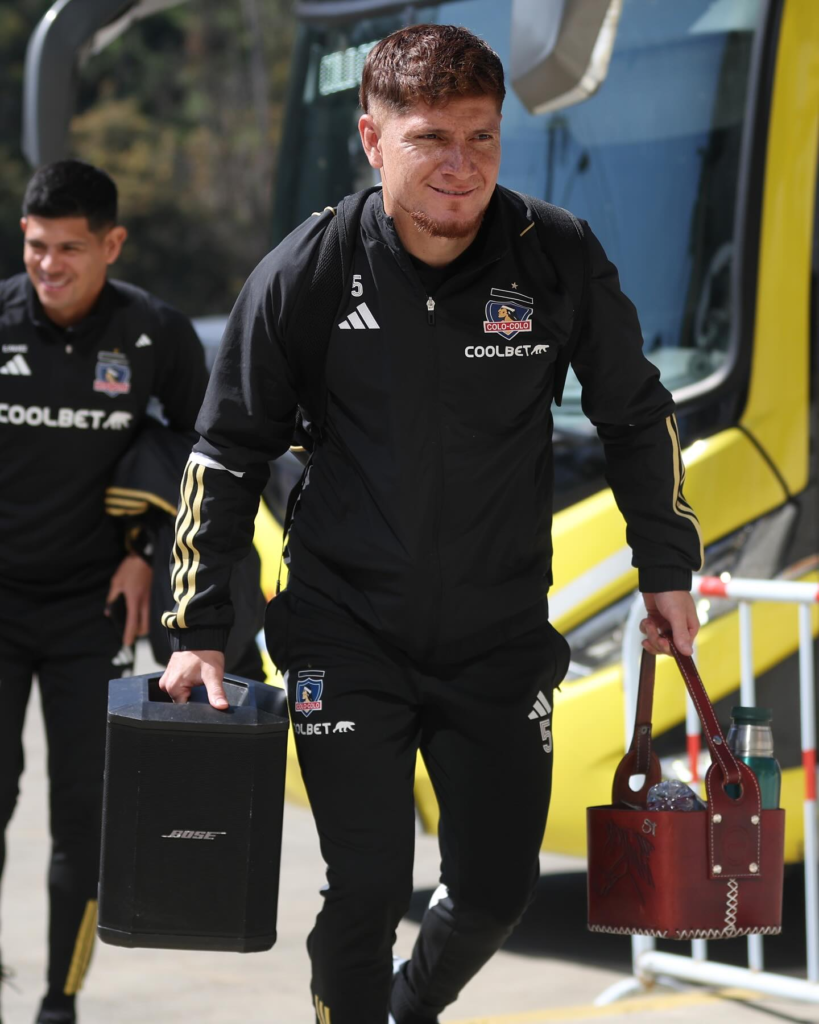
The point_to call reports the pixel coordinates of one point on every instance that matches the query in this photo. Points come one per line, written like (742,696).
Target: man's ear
(23,223)
(371,140)
(113,243)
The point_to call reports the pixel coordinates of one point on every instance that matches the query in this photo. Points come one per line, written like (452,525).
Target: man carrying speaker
(80,357)
(416,614)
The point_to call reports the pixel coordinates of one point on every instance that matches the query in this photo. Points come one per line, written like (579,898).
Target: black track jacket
(71,401)
(426,513)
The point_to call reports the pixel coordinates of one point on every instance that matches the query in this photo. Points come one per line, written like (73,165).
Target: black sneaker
(57,1010)
(398,963)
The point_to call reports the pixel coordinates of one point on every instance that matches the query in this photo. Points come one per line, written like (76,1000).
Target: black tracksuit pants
(69,645)
(361,709)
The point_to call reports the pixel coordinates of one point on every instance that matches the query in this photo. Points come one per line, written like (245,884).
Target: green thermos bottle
(751,739)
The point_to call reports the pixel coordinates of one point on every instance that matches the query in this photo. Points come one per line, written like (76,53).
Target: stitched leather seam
(744,874)
(759,815)
(710,816)
(694,933)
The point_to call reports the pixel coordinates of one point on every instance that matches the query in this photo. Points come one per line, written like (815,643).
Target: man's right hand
(187,669)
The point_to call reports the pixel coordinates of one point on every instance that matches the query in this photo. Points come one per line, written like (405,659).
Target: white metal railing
(650,965)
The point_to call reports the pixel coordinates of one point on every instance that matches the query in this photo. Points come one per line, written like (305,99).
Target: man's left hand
(678,609)
(133,580)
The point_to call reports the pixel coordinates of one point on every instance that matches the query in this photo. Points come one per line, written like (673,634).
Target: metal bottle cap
(750,734)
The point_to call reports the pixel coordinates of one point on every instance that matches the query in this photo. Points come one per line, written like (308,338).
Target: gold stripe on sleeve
(678,502)
(194,559)
(128,504)
(111,511)
(153,499)
(125,503)
(180,551)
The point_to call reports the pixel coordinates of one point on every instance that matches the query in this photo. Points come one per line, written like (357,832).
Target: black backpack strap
(314,317)
(292,502)
(314,314)
(563,239)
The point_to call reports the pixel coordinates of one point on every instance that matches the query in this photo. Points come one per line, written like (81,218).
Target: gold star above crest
(514,284)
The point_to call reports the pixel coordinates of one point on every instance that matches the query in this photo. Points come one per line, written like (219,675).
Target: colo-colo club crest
(309,687)
(508,313)
(113,373)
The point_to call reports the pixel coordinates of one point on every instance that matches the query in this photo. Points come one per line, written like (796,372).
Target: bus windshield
(651,160)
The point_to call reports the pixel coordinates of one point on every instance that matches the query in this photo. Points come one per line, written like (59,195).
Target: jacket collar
(86,330)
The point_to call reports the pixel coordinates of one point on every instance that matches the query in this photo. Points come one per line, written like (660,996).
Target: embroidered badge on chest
(112,375)
(508,313)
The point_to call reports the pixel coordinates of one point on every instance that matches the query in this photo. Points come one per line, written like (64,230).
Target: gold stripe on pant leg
(83,948)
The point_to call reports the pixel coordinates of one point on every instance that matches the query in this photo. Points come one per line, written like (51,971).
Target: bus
(687,134)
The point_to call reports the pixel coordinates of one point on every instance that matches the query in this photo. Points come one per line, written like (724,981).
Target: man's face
(67,263)
(439,164)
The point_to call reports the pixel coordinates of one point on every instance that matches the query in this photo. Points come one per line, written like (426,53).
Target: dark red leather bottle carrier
(711,874)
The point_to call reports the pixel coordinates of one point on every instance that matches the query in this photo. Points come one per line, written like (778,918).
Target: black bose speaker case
(192,817)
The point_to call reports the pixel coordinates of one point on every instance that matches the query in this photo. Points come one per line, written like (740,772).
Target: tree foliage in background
(185,111)
(17,19)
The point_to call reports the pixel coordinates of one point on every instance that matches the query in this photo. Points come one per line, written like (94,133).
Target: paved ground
(552,970)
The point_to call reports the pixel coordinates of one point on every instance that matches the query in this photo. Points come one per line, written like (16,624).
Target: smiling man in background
(80,357)
(416,616)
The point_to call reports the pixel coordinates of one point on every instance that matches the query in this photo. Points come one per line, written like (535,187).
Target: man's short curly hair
(71,188)
(435,63)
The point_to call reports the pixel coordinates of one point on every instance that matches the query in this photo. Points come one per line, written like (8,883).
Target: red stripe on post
(809,766)
(712,586)
(693,744)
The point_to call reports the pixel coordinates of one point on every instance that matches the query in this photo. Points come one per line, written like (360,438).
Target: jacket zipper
(433,628)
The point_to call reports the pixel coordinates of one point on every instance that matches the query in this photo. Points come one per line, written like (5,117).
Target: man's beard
(445,229)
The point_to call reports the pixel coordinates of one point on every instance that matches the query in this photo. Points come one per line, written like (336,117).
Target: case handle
(640,758)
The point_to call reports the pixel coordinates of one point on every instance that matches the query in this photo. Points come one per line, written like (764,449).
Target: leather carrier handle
(640,758)
(734,821)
